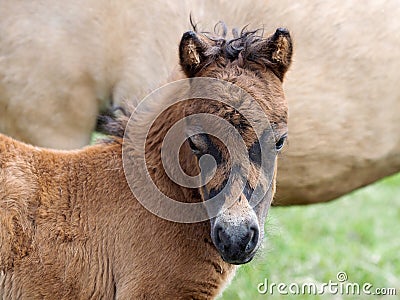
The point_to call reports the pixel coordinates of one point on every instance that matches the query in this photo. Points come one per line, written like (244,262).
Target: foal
(70,227)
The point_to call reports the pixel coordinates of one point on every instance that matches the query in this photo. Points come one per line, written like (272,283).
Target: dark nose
(236,244)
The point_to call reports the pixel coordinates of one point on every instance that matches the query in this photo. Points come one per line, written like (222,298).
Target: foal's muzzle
(236,243)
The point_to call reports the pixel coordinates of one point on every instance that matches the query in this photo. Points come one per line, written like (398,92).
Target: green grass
(358,234)
(96,136)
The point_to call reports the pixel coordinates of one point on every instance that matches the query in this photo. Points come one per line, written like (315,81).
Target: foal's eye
(279,144)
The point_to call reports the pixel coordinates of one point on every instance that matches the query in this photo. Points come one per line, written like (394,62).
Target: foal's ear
(192,53)
(278,50)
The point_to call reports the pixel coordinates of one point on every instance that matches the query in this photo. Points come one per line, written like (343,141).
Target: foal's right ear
(192,51)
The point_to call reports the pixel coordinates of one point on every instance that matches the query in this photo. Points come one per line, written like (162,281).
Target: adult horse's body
(59,64)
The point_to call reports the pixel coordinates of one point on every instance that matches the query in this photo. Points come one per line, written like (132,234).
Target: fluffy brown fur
(70,227)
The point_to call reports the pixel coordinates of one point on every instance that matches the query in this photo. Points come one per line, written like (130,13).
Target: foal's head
(254,67)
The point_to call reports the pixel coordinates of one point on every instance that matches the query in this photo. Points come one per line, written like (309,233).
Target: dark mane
(241,44)
(113,121)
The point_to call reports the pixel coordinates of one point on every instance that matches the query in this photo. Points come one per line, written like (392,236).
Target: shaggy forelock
(240,44)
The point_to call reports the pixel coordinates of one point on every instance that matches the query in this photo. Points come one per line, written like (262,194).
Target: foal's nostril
(222,238)
(253,240)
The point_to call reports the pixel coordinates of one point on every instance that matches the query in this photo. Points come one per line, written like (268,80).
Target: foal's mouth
(238,261)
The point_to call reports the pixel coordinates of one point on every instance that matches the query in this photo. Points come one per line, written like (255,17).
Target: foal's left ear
(192,53)
(278,50)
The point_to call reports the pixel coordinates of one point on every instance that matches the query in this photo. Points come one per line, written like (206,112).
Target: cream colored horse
(61,63)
